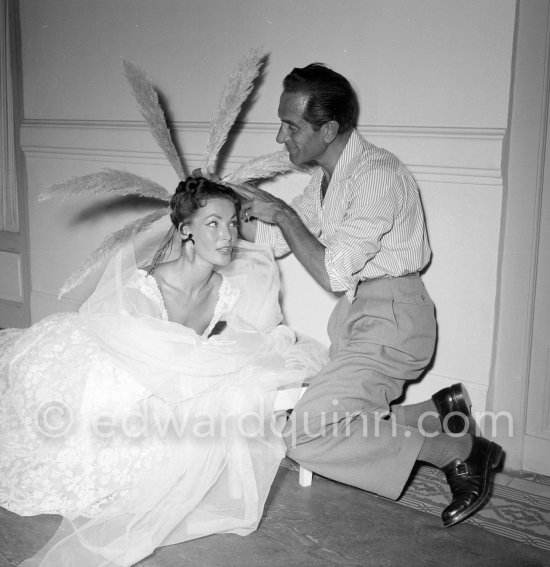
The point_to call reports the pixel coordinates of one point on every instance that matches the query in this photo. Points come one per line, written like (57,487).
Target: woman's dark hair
(329,95)
(194,193)
(189,197)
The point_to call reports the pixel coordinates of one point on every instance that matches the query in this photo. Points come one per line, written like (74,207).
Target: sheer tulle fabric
(140,432)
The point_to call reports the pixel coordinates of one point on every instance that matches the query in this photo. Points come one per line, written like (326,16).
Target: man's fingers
(246,213)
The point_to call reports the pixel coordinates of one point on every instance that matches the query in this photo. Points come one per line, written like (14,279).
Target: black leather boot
(454,400)
(469,480)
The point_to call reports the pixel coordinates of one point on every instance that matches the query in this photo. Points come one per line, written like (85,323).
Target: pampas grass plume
(233,95)
(261,167)
(106,181)
(110,245)
(153,114)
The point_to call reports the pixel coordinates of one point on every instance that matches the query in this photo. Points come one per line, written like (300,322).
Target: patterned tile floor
(519,507)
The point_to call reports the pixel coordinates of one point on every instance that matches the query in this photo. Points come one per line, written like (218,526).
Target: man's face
(304,144)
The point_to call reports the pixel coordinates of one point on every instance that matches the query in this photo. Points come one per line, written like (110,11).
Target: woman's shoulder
(147,284)
(155,279)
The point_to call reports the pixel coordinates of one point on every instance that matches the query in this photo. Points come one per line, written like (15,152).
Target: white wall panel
(10,277)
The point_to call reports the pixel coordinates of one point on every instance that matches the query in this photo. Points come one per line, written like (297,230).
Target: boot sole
(493,460)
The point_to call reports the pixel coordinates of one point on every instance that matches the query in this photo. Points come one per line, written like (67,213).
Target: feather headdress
(121,183)
(261,167)
(234,94)
(149,106)
(110,245)
(107,181)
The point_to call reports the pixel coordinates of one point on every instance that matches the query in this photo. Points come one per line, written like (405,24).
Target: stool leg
(305,477)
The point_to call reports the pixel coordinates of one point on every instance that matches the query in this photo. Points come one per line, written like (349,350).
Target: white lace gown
(138,431)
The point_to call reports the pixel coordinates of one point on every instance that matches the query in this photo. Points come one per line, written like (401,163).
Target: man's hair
(329,95)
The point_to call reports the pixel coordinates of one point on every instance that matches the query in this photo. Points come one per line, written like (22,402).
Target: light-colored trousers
(340,428)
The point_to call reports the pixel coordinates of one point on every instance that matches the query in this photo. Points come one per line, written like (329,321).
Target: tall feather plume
(153,114)
(119,182)
(233,95)
(110,245)
(261,167)
(106,181)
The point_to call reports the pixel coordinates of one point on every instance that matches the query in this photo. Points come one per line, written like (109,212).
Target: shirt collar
(345,165)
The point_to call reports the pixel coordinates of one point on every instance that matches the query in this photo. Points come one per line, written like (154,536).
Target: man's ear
(331,129)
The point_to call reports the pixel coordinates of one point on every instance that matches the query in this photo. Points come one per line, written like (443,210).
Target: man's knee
(304,428)
(291,435)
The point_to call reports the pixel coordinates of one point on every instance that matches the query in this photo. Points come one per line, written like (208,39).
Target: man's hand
(266,207)
(248,228)
(259,204)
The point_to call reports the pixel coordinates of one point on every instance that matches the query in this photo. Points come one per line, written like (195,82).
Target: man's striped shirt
(371,220)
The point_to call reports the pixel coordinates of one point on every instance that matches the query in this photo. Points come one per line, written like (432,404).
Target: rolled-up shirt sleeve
(305,206)
(370,214)
(272,236)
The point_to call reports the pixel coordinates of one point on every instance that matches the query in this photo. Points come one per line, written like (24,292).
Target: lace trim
(227,297)
(150,288)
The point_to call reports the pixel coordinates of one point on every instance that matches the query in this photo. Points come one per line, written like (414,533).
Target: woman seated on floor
(146,418)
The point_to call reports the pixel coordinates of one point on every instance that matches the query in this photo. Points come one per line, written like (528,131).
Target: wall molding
(433,154)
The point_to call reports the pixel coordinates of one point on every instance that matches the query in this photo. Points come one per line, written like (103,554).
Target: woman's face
(214,230)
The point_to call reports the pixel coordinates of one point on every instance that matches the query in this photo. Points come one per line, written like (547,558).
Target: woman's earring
(190,248)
